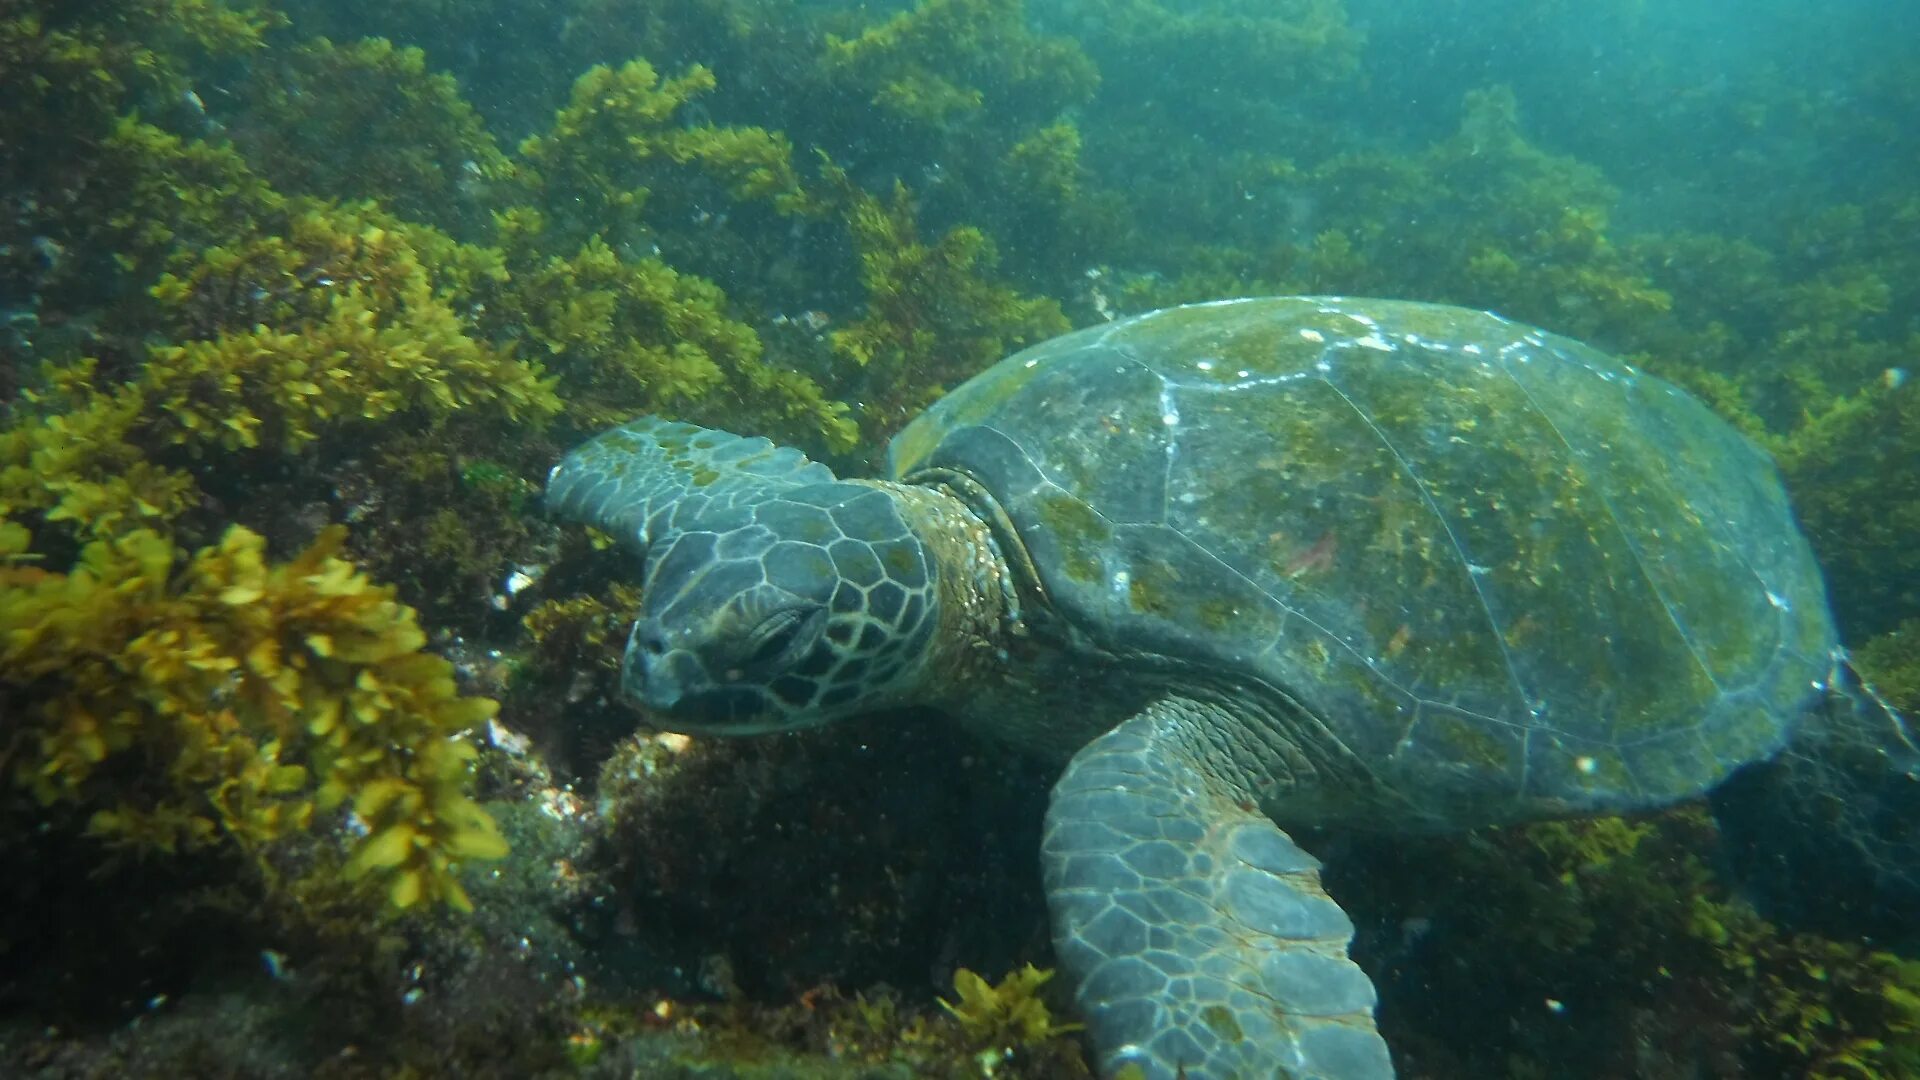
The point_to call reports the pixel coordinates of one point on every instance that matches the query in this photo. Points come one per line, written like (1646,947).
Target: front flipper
(625,480)
(1197,934)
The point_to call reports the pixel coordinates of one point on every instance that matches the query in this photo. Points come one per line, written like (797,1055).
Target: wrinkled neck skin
(977,600)
(999,663)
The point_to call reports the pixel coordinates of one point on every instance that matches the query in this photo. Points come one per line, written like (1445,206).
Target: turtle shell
(1499,571)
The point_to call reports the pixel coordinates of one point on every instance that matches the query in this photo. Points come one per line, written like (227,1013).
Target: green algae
(1023,162)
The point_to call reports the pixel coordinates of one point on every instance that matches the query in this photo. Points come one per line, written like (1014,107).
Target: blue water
(280,265)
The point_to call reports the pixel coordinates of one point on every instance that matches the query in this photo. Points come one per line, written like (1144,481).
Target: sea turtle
(1250,564)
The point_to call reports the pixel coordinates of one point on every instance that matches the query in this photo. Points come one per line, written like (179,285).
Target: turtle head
(799,609)
(774,596)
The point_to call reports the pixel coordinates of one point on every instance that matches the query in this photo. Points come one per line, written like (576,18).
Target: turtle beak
(656,674)
(673,684)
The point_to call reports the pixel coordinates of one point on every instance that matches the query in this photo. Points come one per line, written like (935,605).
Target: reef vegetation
(299,300)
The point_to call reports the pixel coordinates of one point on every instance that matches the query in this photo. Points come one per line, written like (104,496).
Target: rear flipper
(1199,939)
(1826,836)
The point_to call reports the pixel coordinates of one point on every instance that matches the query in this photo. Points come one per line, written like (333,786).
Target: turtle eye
(775,637)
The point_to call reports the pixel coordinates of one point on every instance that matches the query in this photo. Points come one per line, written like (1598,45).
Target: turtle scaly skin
(1200,937)
(1246,566)
(777,595)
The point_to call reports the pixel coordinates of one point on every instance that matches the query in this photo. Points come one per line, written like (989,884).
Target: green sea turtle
(1253,564)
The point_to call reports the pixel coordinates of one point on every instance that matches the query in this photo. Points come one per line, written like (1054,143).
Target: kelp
(219,699)
(259,283)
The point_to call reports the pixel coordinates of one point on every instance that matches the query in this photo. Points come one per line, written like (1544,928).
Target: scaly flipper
(1197,933)
(630,478)
(1826,835)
